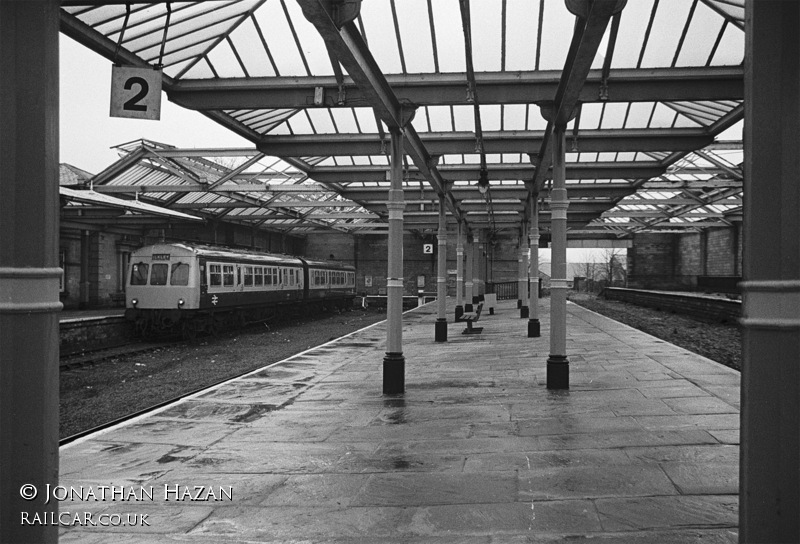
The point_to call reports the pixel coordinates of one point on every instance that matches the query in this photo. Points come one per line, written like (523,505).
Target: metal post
(394,362)
(520,274)
(441,280)
(534,330)
(468,276)
(459,272)
(29,273)
(523,277)
(769,478)
(477,256)
(557,363)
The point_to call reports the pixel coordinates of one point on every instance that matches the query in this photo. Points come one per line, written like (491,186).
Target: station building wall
(676,261)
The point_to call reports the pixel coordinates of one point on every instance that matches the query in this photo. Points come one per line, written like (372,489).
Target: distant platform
(643,448)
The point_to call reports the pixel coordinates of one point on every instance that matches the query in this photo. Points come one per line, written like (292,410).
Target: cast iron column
(29,273)
(394,362)
(533,299)
(441,280)
(557,363)
(459,272)
(769,482)
(523,277)
(468,275)
(520,273)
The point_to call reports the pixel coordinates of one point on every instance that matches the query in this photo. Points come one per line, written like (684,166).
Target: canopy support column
(468,275)
(534,330)
(394,362)
(29,273)
(769,485)
(522,284)
(441,280)
(558,363)
(460,271)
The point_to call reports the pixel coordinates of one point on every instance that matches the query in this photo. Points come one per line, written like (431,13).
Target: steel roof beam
(512,141)
(594,170)
(349,48)
(624,85)
(605,192)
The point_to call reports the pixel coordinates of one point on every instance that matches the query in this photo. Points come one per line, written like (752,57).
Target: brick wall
(674,261)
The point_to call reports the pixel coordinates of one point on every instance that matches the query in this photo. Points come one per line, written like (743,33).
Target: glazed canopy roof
(318,86)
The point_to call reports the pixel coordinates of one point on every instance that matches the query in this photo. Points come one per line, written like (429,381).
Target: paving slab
(642,449)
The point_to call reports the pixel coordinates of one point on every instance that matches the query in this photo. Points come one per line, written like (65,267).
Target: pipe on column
(394,362)
(29,273)
(477,256)
(468,275)
(557,362)
(534,330)
(83,286)
(441,280)
(459,272)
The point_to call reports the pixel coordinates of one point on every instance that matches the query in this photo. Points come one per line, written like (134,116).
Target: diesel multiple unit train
(191,288)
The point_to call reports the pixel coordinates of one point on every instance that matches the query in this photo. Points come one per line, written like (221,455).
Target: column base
(476,299)
(441,330)
(459,312)
(523,312)
(394,373)
(468,307)
(534,330)
(558,372)
(519,304)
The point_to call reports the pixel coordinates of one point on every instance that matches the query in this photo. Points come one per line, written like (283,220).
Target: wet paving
(642,449)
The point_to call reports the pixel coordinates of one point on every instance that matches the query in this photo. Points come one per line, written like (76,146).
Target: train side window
(179,274)
(158,275)
(139,273)
(248,276)
(227,275)
(258,277)
(268,276)
(215,275)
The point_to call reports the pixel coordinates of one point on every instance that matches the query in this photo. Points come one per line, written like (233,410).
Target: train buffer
(469,318)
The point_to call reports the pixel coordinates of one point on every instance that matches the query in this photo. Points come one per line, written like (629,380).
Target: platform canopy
(317,86)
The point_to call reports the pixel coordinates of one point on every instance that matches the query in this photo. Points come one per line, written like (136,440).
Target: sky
(87,133)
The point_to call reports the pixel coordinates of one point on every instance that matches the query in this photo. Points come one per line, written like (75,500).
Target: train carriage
(198,288)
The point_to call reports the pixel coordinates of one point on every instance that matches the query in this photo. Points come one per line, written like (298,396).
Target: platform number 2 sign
(427,249)
(135,93)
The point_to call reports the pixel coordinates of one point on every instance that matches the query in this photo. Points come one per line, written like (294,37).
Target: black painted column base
(523,312)
(558,372)
(534,330)
(476,298)
(394,373)
(459,312)
(468,307)
(519,303)
(441,330)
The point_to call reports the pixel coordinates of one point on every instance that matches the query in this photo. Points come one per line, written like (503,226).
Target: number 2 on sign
(133,103)
(135,92)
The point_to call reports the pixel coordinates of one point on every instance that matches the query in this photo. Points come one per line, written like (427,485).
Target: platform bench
(471,317)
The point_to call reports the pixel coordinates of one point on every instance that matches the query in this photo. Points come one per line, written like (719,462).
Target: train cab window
(215,275)
(139,273)
(258,277)
(158,275)
(180,274)
(248,276)
(227,275)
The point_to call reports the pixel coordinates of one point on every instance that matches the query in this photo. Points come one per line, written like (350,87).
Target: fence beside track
(91,333)
(692,304)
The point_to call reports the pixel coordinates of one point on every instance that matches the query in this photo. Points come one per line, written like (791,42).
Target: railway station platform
(643,448)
